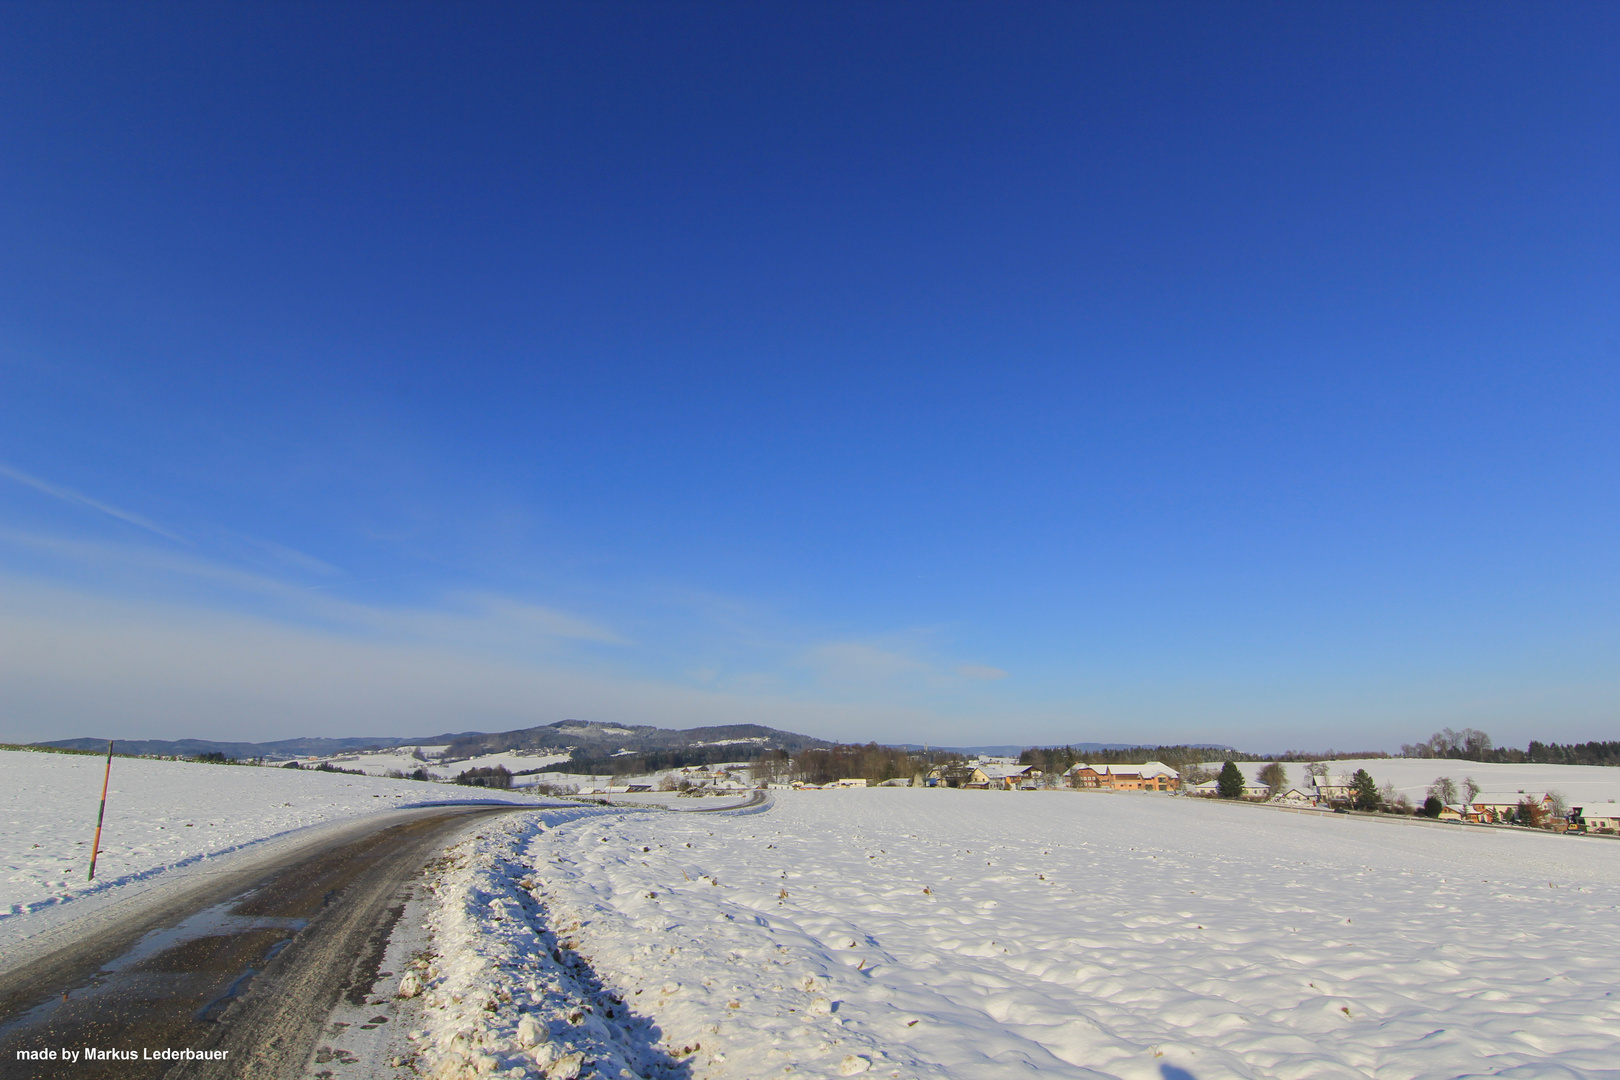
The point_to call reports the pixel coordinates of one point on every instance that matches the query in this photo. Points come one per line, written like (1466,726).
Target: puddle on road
(215,922)
(190,960)
(162,962)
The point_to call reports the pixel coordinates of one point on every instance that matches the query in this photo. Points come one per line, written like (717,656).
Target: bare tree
(1274,776)
(1470,789)
(1444,788)
(1446,743)
(1389,797)
(1560,805)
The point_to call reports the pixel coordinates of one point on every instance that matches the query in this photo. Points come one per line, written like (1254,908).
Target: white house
(1332,791)
(1604,818)
(1211,788)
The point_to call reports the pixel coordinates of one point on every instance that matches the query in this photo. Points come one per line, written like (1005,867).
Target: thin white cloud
(489,616)
(980,671)
(470,619)
(103,555)
(289,557)
(73,663)
(855,661)
(70,496)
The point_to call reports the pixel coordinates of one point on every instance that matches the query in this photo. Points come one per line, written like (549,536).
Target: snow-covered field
(1580,785)
(162,815)
(959,934)
(913,933)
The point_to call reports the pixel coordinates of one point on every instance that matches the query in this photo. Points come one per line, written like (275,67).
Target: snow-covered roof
(1150,768)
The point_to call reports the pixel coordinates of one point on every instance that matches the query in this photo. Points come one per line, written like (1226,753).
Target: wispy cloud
(476,619)
(855,661)
(72,663)
(980,671)
(285,556)
(489,617)
(68,495)
(136,624)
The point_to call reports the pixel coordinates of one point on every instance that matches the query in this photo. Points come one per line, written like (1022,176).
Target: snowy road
(249,961)
(164,819)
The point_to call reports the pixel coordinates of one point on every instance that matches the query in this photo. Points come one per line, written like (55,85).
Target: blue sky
(951,373)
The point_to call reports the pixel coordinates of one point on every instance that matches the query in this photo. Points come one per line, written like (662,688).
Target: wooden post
(95,845)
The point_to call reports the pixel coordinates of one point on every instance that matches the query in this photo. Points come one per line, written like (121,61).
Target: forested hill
(589,739)
(246,751)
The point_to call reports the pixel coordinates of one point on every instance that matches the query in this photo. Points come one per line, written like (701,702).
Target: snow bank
(503,989)
(162,815)
(977,934)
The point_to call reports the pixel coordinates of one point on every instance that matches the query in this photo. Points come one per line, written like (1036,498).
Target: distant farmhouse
(1151,776)
(1597,819)
(1252,791)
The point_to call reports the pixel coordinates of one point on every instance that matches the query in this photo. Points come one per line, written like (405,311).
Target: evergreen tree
(1229,785)
(1364,790)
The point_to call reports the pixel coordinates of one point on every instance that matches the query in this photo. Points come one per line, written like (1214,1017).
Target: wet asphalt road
(249,963)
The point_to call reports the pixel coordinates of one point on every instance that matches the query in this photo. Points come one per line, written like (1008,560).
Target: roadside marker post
(95,845)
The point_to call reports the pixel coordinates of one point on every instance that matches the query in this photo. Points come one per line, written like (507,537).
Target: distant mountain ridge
(284,748)
(589,738)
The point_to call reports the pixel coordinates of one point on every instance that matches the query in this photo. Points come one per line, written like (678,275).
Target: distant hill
(284,748)
(591,742)
(590,739)
(587,739)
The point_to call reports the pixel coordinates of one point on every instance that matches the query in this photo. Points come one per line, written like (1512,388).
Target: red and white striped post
(95,845)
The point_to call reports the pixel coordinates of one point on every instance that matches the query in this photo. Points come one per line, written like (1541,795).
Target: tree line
(826,765)
(651,761)
(1056,760)
(1470,744)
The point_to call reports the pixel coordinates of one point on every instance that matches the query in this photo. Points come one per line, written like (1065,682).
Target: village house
(1332,792)
(1252,791)
(1007,778)
(1597,819)
(1150,776)
(958,776)
(1499,807)
(1292,797)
